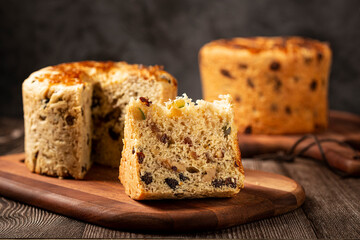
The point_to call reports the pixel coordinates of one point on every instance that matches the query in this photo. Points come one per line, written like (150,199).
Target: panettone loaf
(74,112)
(181,150)
(279,85)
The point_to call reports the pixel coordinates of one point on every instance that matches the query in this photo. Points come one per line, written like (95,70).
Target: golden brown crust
(77,72)
(261,44)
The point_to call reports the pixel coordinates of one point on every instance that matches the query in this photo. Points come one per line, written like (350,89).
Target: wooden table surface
(331,208)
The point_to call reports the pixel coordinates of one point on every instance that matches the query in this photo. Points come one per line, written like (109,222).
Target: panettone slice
(181,150)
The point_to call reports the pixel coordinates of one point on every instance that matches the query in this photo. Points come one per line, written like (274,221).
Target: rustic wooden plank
(332,205)
(22,221)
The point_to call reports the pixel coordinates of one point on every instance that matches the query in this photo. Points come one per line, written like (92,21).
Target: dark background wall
(34,34)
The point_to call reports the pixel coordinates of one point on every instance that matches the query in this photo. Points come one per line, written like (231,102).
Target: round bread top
(80,72)
(263,44)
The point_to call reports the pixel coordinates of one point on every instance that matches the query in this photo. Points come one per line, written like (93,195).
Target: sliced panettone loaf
(279,84)
(74,113)
(181,150)
(57,128)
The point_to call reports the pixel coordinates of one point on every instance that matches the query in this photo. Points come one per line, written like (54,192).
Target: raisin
(230,182)
(140,157)
(179,195)
(146,101)
(113,134)
(45,102)
(165,77)
(192,170)
(147,178)
(307,60)
(36,155)
(243,66)
(174,168)
(42,118)
(87,139)
(96,101)
(313,85)
(70,120)
(226,130)
(154,128)
(250,83)
(82,111)
(217,183)
(274,107)
(248,130)
(133,150)
(275,66)
(238,99)
(171,182)
(319,56)
(193,154)
(226,73)
(183,177)
(277,85)
(166,139)
(188,141)
(113,114)
(288,110)
(236,164)
(83,168)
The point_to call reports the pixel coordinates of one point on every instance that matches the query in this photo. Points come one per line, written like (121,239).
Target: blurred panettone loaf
(74,113)
(279,84)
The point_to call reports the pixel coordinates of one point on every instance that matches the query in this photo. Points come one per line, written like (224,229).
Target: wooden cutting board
(344,127)
(100,199)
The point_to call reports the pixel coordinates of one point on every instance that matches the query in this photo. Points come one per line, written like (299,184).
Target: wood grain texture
(100,199)
(319,217)
(344,127)
(29,222)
